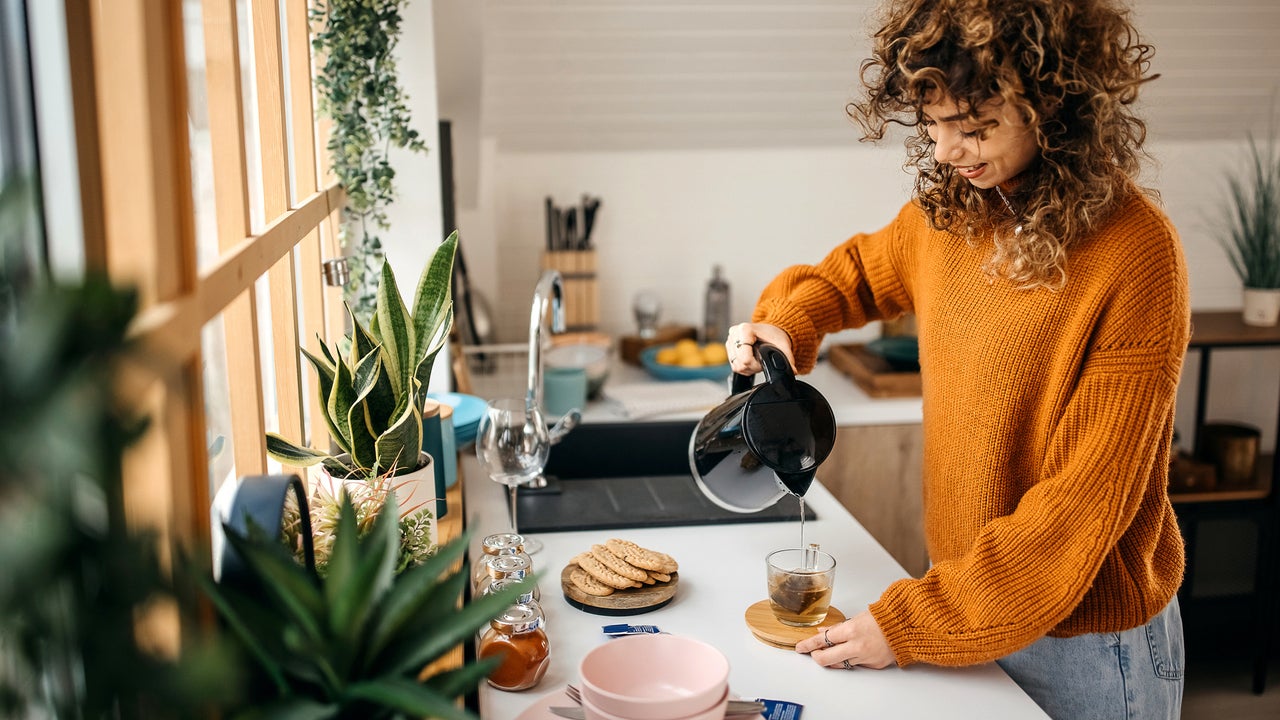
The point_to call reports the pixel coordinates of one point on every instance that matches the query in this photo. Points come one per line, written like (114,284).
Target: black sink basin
(627,475)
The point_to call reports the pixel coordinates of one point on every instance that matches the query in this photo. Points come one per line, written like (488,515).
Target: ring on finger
(845,664)
(827,639)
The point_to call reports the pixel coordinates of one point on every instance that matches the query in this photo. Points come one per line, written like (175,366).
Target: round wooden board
(633,601)
(768,630)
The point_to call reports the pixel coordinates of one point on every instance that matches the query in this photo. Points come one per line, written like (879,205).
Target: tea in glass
(800,584)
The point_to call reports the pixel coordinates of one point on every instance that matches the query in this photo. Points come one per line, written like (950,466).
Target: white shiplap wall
(630,74)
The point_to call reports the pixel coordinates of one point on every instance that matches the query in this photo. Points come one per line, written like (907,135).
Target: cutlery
(577,713)
(735,707)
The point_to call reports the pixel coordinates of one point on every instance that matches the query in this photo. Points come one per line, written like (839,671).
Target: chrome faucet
(549,291)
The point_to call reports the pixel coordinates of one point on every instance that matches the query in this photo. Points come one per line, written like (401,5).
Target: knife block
(581,295)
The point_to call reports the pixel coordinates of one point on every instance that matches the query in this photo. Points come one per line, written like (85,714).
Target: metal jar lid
(501,543)
(508,566)
(518,618)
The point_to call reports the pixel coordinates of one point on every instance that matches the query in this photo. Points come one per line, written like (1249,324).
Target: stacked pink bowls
(655,677)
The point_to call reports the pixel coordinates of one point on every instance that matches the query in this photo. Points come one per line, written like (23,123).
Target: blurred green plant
(75,578)
(355,643)
(359,90)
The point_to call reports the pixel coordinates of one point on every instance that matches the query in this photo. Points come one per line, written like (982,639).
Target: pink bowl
(655,677)
(715,712)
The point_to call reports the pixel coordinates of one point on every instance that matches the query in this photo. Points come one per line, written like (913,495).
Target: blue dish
(648,358)
(467,411)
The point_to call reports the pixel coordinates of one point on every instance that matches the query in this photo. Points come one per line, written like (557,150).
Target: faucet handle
(566,423)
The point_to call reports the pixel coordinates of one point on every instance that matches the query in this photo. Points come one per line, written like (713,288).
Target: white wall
(416,217)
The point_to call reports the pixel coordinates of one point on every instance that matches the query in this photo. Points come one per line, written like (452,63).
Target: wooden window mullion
(231,198)
(149,240)
(310,252)
(268,70)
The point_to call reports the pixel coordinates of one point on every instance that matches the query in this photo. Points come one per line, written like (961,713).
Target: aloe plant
(372,385)
(353,645)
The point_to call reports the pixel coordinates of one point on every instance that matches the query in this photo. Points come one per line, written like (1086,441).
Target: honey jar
(518,638)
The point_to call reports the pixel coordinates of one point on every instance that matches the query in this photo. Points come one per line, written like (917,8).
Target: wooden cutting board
(769,631)
(873,373)
(633,601)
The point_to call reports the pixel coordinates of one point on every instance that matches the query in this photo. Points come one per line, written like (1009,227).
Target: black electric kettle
(764,441)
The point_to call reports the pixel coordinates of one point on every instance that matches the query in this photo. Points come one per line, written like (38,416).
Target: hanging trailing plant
(358,88)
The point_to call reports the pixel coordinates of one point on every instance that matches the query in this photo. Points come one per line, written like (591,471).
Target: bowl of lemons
(687,359)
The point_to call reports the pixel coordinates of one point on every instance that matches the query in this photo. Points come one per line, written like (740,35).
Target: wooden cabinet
(874,471)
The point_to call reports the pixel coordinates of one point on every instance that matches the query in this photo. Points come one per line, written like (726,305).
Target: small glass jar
(526,596)
(518,638)
(505,567)
(492,546)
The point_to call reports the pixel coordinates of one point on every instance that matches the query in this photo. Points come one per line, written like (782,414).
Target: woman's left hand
(853,643)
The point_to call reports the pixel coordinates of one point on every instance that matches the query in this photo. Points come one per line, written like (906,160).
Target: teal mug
(563,389)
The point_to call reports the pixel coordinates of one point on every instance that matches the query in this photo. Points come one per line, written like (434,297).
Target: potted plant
(363,642)
(1251,236)
(372,386)
(358,89)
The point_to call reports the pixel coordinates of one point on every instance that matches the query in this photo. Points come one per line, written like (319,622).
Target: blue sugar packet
(780,709)
(623,629)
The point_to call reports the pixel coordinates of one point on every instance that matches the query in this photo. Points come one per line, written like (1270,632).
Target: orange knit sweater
(1048,418)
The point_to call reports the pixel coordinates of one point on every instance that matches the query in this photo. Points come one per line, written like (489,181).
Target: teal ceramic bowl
(901,351)
(648,358)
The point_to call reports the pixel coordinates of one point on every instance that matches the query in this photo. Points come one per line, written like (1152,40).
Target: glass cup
(800,584)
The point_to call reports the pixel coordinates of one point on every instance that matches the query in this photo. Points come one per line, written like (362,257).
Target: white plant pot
(1261,306)
(414,491)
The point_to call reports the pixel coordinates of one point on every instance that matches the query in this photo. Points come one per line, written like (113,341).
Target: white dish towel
(648,399)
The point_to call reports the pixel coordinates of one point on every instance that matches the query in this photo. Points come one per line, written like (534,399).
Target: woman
(1050,294)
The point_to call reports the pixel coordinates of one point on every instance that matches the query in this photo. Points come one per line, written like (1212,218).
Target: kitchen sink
(629,475)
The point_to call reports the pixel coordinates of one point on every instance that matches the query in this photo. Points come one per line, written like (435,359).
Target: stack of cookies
(619,565)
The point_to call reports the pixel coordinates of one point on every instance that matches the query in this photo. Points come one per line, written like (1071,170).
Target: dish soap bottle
(715,325)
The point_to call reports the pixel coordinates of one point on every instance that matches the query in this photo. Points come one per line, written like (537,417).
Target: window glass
(219,440)
(202,189)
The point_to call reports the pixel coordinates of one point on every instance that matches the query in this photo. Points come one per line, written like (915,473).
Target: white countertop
(850,404)
(721,574)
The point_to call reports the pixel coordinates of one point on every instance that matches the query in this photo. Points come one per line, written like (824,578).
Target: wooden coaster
(769,631)
(632,601)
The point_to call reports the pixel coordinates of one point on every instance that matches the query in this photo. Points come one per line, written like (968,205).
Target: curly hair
(1072,68)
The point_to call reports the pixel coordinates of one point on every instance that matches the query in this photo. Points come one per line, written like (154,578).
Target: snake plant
(355,643)
(373,383)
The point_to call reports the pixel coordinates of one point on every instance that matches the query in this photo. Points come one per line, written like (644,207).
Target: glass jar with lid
(505,567)
(526,596)
(492,546)
(518,638)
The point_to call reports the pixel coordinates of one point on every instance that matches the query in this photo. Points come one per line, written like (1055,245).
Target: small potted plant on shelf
(1251,236)
(372,386)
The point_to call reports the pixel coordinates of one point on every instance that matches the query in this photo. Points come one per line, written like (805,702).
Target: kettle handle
(776,368)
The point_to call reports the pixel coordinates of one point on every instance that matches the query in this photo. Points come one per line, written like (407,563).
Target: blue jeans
(1135,674)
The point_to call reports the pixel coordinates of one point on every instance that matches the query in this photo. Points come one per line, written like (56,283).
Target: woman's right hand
(744,336)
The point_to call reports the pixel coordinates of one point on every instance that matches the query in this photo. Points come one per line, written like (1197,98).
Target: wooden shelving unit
(1256,503)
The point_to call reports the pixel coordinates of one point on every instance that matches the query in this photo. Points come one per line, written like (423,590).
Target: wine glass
(512,442)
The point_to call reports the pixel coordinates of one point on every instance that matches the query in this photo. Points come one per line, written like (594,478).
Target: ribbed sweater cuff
(797,325)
